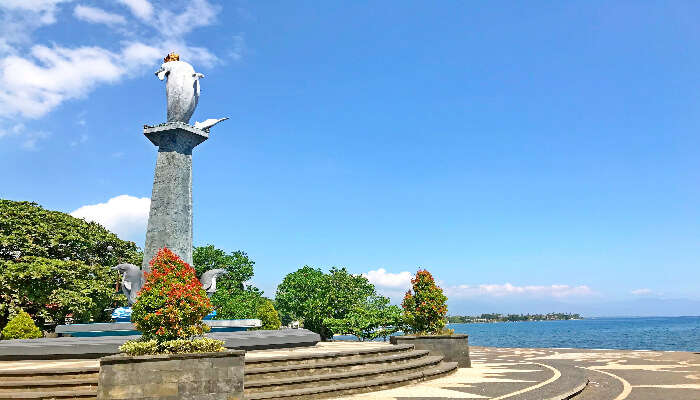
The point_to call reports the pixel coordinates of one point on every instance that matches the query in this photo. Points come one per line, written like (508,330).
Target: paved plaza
(523,374)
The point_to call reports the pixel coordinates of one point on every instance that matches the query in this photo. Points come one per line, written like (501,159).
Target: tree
(425,308)
(52,289)
(172,302)
(268,315)
(337,302)
(296,294)
(26,229)
(53,264)
(369,321)
(21,326)
(231,300)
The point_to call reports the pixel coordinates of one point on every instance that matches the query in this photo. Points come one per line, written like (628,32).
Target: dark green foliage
(268,315)
(53,264)
(51,289)
(231,300)
(297,292)
(238,265)
(21,326)
(335,303)
(26,229)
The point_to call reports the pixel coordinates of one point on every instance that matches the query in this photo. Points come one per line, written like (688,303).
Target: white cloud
(196,14)
(142,9)
(380,277)
(97,15)
(507,289)
(124,215)
(642,292)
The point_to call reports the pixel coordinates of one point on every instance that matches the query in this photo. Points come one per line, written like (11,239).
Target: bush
(172,302)
(178,346)
(268,315)
(425,310)
(21,327)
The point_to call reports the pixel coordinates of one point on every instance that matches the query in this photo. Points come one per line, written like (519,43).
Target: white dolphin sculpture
(181,89)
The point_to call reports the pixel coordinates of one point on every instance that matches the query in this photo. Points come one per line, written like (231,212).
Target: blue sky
(533,158)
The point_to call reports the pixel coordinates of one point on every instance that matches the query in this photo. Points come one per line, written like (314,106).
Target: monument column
(170,217)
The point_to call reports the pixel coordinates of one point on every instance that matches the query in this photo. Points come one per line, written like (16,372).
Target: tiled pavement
(524,374)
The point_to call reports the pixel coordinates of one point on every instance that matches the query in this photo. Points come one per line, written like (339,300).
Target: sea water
(642,333)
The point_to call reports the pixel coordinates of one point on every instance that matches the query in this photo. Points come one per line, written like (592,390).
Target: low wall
(210,376)
(454,348)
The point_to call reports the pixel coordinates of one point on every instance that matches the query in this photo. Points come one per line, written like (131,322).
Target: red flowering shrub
(425,308)
(172,302)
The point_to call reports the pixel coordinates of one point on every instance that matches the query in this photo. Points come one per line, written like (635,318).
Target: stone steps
(332,374)
(60,383)
(363,386)
(303,374)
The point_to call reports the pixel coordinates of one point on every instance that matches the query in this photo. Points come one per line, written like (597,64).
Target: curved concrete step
(63,394)
(360,374)
(330,366)
(41,384)
(259,360)
(362,386)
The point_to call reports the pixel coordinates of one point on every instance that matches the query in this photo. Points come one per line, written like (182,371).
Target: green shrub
(425,309)
(268,315)
(21,327)
(178,346)
(172,302)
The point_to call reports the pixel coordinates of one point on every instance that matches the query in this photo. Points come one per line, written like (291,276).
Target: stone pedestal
(170,218)
(205,376)
(454,348)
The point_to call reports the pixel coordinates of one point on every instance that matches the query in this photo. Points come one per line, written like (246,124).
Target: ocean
(641,333)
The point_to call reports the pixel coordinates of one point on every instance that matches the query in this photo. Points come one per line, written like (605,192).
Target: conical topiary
(21,326)
(172,302)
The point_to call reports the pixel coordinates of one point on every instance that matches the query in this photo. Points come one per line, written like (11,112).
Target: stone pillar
(170,218)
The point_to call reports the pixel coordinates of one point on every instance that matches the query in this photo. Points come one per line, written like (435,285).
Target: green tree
(26,230)
(297,293)
(425,308)
(268,315)
(53,264)
(328,304)
(52,289)
(21,326)
(369,321)
(231,300)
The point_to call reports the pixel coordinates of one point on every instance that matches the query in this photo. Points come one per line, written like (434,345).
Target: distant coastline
(468,319)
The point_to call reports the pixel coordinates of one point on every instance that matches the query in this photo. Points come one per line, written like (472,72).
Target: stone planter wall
(451,347)
(210,376)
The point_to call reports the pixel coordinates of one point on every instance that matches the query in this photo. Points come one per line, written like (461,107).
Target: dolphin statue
(181,89)
(132,281)
(208,280)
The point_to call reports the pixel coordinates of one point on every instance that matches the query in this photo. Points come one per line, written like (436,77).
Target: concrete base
(210,376)
(94,347)
(454,348)
(128,329)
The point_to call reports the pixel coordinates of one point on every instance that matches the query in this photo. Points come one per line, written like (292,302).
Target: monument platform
(129,329)
(94,347)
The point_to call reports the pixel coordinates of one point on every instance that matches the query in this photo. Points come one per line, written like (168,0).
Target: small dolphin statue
(132,281)
(208,123)
(208,280)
